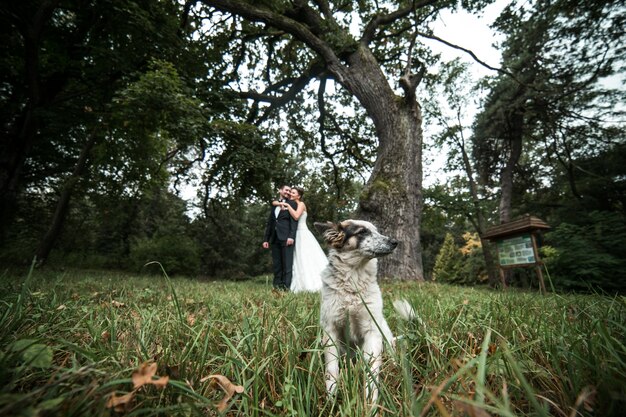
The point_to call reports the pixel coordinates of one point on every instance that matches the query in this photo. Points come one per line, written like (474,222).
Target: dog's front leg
(373,354)
(331,359)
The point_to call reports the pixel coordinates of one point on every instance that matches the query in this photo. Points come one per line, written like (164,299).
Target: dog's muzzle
(387,248)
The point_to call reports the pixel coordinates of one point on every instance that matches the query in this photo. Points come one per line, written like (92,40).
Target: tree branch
(473,55)
(325,9)
(297,85)
(296,28)
(381,20)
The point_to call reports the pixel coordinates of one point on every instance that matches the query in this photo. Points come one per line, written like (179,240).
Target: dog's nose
(393,243)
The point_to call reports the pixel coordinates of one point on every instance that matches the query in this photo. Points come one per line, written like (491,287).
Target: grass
(70,340)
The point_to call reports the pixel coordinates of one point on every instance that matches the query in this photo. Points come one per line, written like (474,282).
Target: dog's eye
(361,232)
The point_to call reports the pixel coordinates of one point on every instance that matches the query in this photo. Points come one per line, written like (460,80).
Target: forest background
(110,109)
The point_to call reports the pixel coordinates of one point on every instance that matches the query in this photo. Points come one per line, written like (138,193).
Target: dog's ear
(323,227)
(333,233)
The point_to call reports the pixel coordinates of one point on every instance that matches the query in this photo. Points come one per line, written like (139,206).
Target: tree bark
(392,197)
(479,221)
(60,213)
(506,177)
(19,138)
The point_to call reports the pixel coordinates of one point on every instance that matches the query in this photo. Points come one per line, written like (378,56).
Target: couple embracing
(297,257)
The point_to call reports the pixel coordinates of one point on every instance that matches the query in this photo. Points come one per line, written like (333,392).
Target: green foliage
(464,265)
(590,254)
(178,254)
(229,237)
(448,261)
(466,345)
(32,353)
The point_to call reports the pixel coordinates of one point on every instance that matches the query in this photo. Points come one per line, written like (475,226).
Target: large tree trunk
(506,175)
(60,213)
(392,197)
(19,138)
(15,147)
(478,218)
(516,131)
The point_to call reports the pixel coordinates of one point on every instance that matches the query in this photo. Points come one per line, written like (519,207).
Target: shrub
(589,254)
(447,261)
(177,254)
(464,265)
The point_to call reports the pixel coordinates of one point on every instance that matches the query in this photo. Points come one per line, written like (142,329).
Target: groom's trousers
(282,258)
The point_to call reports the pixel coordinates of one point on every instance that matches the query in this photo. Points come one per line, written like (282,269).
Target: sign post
(517,245)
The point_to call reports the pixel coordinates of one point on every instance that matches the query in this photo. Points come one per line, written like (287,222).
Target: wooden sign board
(517,245)
(516,251)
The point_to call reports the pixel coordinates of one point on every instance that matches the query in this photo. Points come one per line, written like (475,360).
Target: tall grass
(71,340)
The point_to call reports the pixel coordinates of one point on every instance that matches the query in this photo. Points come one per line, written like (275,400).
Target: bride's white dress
(309,260)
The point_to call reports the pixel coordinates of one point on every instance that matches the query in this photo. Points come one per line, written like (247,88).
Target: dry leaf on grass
(228,387)
(120,403)
(586,398)
(105,336)
(144,375)
(471,410)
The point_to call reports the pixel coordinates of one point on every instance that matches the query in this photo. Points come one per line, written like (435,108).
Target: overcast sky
(470,32)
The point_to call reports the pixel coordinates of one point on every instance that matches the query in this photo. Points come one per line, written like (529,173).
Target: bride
(309,259)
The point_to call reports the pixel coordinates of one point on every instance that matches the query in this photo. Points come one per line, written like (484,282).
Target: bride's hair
(300,191)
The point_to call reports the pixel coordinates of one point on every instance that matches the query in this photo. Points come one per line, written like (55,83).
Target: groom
(280,234)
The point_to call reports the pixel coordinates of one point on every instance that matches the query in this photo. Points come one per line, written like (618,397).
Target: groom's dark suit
(278,230)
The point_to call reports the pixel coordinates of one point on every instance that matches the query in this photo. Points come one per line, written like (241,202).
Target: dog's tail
(404,309)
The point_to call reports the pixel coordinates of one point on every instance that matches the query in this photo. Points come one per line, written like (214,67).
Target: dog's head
(357,236)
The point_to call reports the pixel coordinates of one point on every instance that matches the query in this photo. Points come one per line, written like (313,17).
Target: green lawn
(71,340)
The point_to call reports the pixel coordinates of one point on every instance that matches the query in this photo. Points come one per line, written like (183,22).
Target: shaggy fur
(351,312)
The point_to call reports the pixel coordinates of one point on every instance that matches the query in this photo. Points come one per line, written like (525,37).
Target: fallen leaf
(228,387)
(144,375)
(61,307)
(161,382)
(117,304)
(191,319)
(106,336)
(173,371)
(471,410)
(587,398)
(120,403)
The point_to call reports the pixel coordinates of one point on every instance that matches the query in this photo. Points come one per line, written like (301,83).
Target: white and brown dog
(351,311)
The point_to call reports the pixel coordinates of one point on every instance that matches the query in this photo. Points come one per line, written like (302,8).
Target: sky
(470,32)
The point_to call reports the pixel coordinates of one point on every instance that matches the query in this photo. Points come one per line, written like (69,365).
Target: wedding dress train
(309,260)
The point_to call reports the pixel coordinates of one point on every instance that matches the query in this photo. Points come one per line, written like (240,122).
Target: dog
(351,310)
